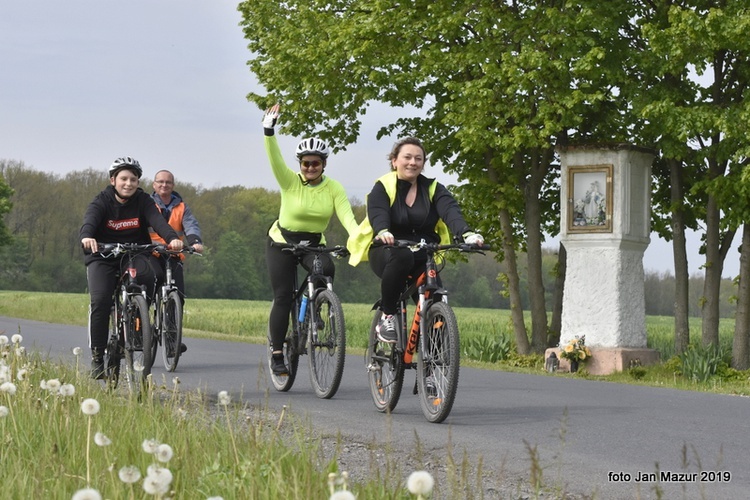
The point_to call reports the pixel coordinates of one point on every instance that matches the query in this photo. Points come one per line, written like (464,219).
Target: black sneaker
(386,329)
(277,365)
(170,350)
(97,364)
(97,370)
(320,325)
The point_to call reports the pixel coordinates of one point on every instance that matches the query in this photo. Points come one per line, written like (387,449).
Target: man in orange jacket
(182,220)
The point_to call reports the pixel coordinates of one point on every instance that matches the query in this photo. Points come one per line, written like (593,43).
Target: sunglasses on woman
(311,164)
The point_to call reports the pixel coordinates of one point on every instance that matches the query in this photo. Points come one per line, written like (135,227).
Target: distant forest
(44,253)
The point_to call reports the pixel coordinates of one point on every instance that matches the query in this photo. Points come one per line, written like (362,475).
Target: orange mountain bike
(432,338)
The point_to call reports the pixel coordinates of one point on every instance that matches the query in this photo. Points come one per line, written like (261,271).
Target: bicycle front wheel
(385,370)
(283,383)
(438,363)
(113,352)
(171,330)
(138,341)
(327,344)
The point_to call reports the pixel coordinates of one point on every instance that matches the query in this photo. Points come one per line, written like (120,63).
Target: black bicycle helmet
(312,146)
(125,162)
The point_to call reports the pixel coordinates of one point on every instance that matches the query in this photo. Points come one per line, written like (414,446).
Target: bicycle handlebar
(116,249)
(436,247)
(166,252)
(339,251)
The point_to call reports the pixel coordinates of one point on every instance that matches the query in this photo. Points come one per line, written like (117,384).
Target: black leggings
(102,276)
(282,267)
(394,265)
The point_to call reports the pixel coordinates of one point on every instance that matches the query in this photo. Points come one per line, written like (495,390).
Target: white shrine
(605,228)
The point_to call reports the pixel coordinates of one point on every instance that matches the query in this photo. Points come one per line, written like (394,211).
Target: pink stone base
(607,360)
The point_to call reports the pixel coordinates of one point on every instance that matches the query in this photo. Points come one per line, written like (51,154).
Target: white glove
(270,117)
(473,239)
(386,237)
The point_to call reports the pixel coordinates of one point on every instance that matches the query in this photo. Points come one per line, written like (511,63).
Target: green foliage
(487,349)
(700,363)
(637,372)
(535,361)
(5,206)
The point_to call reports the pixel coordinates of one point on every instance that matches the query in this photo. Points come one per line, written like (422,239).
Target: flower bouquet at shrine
(575,351)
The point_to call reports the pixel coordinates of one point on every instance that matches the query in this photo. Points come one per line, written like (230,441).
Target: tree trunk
(740,345)
(713,268)
(555,326)
(513,283)
(532,218)
(679,251)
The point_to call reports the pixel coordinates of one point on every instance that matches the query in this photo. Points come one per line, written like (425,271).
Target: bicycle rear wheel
(327,345)
(385,370)
(113,352)
(171,330)
(283,383)
(138,341)
(438,363)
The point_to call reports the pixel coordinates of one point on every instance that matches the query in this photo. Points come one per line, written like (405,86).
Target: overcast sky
(84,82)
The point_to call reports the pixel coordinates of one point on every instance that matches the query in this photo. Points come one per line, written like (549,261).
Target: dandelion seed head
(87,494)
(4,374)
(164,453)
(67,390)
(420,483)
(20,351)
(138,366)
(4,411)
(16,338)
(8,388)
(43,385)
(150,445)
(224,398)
(76,351)
(90,406)
(154,485)
(159,478)
(215,498)
(101,439)
(53,385)
(129,474)
(175,380)
(343,495)
(3,340)
(22,373)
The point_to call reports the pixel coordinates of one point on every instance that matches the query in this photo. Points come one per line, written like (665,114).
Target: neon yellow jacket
(359,243)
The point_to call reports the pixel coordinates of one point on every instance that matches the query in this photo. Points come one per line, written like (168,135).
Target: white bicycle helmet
(125,162)
(312,146)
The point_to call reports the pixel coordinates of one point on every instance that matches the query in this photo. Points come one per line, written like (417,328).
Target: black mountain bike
(432,337)
(130,333)
(316,326)
(167,324)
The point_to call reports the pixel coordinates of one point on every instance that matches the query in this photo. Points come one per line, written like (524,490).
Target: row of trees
(498,86)
(42,251)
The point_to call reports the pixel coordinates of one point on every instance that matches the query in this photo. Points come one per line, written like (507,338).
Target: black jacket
(418,221)
(109,221)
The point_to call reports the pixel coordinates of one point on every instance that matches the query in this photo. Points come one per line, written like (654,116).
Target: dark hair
(402,142)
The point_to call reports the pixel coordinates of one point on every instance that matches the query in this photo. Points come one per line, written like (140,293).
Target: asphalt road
(612,434)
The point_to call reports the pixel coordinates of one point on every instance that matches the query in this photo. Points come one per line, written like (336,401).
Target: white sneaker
(386,329)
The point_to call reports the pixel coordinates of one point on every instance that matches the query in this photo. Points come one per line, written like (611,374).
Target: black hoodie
(109,221)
